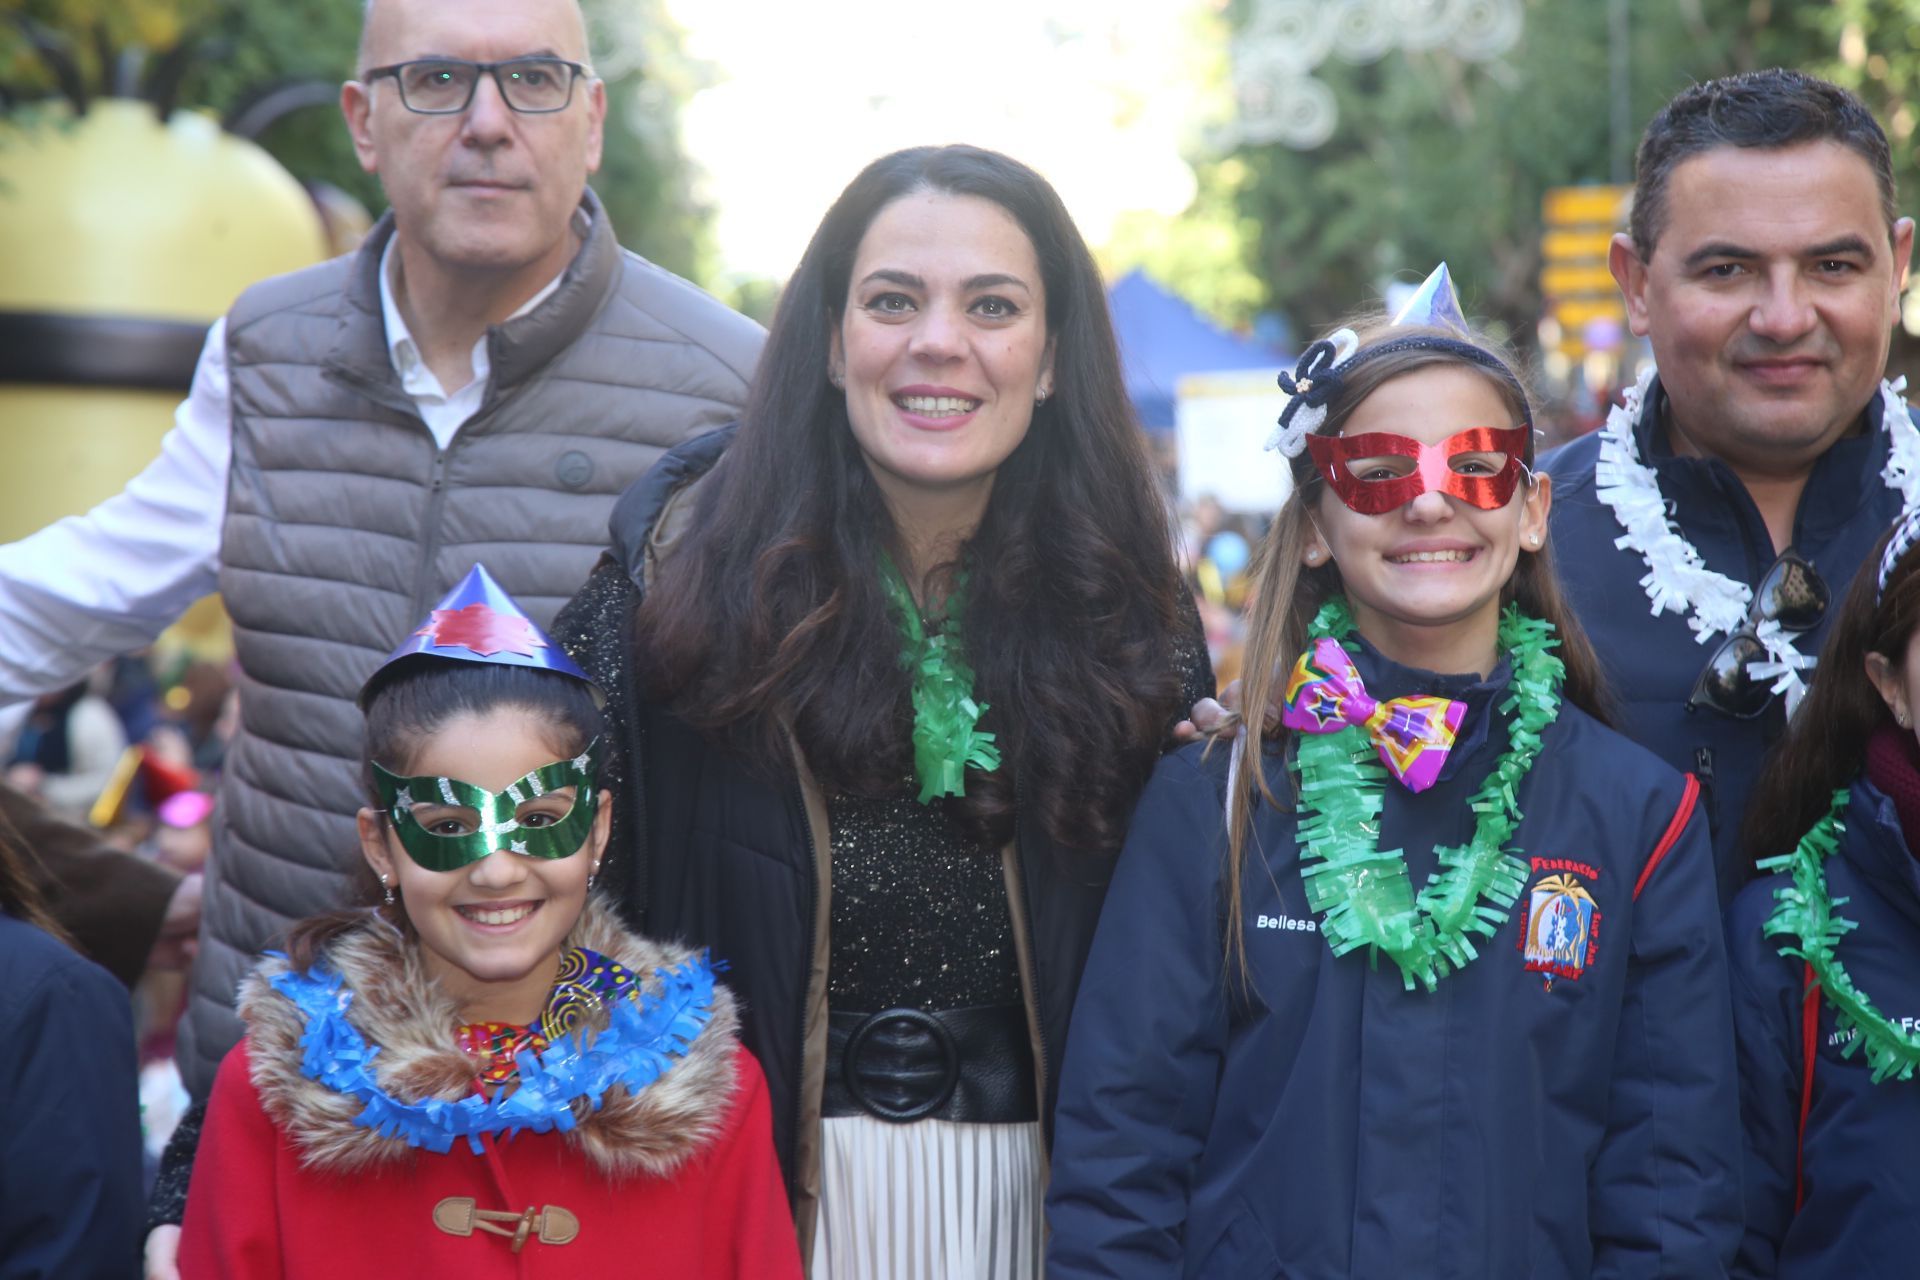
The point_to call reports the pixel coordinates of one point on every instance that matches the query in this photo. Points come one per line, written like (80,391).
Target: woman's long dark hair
(406,708)
(1825,746)
(20,896)
(1288,595)
(770,613)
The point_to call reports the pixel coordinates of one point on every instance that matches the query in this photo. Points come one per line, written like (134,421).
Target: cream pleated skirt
(932,1200)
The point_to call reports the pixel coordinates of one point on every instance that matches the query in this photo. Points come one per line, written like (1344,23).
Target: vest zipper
(424,593)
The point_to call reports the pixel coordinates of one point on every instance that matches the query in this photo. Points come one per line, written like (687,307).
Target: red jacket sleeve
(232,1229)
(745,1188)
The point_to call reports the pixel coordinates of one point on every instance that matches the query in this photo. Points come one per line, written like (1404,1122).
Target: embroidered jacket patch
(1562,936)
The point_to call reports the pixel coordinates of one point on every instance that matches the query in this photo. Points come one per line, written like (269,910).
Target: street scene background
(1249,173)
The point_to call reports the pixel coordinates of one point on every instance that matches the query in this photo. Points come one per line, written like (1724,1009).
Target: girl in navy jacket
(1826,953)
(1436,987)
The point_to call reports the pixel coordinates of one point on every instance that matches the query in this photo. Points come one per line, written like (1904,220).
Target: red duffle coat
(676,1180)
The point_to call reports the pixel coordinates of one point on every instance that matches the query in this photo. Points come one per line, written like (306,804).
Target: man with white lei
(1699,529)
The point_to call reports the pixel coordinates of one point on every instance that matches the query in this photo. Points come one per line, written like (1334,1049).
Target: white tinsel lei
(1677,579)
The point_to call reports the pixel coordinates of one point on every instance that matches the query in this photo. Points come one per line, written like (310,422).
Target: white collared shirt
(93,586)
(444,414)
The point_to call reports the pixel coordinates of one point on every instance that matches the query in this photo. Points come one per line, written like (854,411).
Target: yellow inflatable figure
(122,238)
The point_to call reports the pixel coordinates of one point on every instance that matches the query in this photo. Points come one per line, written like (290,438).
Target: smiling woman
(944,354)
(907,652)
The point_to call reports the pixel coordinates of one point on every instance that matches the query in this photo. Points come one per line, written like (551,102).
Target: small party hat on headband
(1434,304)
(477,621)
(1317,379)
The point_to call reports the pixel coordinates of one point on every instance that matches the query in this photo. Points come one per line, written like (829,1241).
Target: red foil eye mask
(1432,470)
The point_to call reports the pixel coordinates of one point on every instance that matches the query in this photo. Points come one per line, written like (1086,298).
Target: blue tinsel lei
(634,1050)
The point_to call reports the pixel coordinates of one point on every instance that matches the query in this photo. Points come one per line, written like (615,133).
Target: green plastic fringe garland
(1802,911)
(946,733)
(1364,895)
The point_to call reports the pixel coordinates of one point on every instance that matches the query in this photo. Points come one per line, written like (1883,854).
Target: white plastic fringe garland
(1677,579)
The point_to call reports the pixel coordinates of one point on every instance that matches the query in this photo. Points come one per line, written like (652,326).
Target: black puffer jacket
(711,851)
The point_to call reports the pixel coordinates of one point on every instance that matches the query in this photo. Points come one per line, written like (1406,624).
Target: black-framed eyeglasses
(1792,594)
(444,86)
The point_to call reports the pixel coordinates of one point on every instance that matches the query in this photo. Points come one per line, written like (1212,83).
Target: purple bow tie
(1413,735)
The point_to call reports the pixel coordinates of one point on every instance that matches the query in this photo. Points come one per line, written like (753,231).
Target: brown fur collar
(398,1007)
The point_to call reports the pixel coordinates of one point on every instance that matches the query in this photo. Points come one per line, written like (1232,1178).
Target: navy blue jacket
(71,1203)
(1652,662)
(1861,1217)
(1334,1124)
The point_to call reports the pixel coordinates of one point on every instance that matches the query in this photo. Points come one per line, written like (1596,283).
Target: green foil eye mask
(498,819)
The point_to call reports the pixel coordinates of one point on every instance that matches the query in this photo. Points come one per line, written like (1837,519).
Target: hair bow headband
(1904,535)
(1309,387)
(1317,379)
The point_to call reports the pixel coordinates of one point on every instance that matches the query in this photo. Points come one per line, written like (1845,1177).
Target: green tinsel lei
(1802,911)
(1364,894)
(946,733)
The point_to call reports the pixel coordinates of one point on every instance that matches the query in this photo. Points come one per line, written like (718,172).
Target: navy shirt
(1861,1217)
(1324,1121)
(1652,661)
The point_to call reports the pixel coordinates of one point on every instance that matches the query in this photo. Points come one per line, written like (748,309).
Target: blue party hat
(1434,304)
(477,621)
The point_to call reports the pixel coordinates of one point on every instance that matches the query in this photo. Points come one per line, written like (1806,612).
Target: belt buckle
(934,1030)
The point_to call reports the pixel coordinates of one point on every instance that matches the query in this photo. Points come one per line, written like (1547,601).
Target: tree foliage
(245,47)
(1203,252)
(1438,158)
(1873,48)
(650,185)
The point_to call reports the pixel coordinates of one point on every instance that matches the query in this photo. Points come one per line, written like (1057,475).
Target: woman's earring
(1315,555)
(836,377)
(386,889)
(591,874)
(1533,539)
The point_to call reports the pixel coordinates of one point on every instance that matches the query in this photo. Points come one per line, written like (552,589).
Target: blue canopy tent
(1162,339)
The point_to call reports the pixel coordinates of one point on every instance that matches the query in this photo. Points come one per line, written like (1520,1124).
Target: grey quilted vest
(345,523)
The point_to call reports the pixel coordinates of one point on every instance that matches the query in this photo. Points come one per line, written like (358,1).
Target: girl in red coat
(481,1073)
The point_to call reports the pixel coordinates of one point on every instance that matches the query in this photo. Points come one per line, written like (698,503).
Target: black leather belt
(901,1065)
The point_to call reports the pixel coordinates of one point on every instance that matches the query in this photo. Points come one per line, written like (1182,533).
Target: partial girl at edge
(70,1194)
(480,1071)
(1470,1018)
(1825,948)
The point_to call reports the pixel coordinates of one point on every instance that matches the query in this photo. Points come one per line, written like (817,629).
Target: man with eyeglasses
(479,381)
(1702,533)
